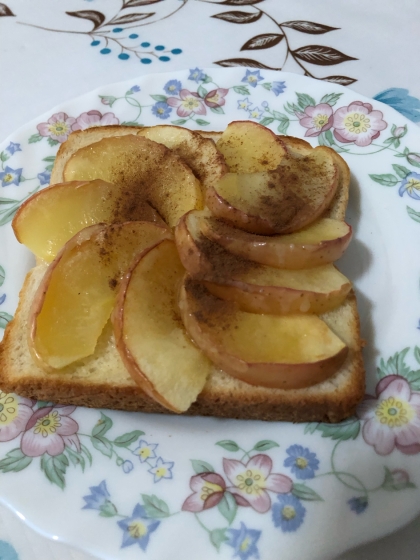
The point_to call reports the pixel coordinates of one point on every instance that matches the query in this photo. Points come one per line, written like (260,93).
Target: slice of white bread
(102,381)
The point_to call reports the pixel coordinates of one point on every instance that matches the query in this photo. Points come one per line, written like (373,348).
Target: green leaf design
(103,425)
(103,445)
(292,109)
(201,122)
(2,275)
(395,365)
(75,458)
(303,492)
(413,214)
(401,171)
(217,110)
(8,201)
(207,79)
(108,509)
(110,99)
(202,92)
(35,138)
(159,98)
(266,121)
(228,444)
(52,142)
(201,466)
(4,319)
(311,427)
(329,137)
(15,461)
(88,454)
(179,121)
(242,90)
(3,156)
(50,159)
(49,167)
(387,179)
(265,445)
(267,86)
(414,380)
(413,158)
(349,429)
(283,126)
(127,439)
(218,537)
(304,100)
(392,483)
(155,508)
(7,215)
(417,354)
(55,469)
(331,98)
(132,123)
(228,507)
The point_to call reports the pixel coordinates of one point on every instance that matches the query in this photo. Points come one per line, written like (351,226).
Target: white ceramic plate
(111,482)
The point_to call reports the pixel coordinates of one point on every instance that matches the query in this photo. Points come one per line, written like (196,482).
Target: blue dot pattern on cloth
(124,56)
(146,61)
(105,51)
(7,552)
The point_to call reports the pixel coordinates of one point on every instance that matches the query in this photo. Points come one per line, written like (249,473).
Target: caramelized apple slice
(76,296)
(146,170)
(322,242)
(199,153)
(281,201)
(149,333)
(288,352)
(47,220)
(249,147)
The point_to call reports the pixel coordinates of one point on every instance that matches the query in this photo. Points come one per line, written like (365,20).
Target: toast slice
(102,381)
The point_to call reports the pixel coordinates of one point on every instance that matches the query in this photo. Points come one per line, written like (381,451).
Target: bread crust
(223,396)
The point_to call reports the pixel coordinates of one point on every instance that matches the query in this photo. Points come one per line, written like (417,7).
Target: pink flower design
(316,119)
(393,418)
(58,127)
(14,415)
(49,430)
(187,103)
(208,489)
(358,123)
(216,97)
(94,118)
(251,481)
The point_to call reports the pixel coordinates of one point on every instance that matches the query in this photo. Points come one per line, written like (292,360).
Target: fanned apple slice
(199,153)
(150,336)
(281,201)
(288,352)
(76,296)
(249,147)
(49,218)
(147,171)
(322,242)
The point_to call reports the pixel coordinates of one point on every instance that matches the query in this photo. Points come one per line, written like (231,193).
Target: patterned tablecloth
(53,51)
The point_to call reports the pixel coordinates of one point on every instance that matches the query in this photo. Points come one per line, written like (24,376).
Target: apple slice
(150,336)
(281,201)
(322,242)
(249,147)
(147,171)
(49,218)
(288,352)
(199,153)
(76,296)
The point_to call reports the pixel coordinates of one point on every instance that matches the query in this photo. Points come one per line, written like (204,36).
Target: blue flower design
(411,185)
(196,75)
(137,528)
(244,541)
(10,176)
(358,505)
(173,87)
(302,462)
(244,104)
(288,513)
(7,552)
(127,466)
(161,110)
(135,89)
(256,113)
(44,177)
(2,299)
(99,499)
(264,104)
(13,147)
(145,450)
(252,78)
(399,99)
(162,469)
(278,87)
